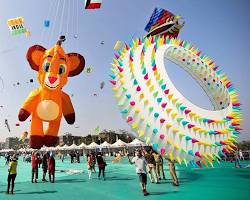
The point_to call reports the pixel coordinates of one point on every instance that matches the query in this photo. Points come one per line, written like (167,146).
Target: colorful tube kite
(163,22)
(48,102)
(161,116)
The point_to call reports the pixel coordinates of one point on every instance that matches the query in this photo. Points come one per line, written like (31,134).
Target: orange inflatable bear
(48,102)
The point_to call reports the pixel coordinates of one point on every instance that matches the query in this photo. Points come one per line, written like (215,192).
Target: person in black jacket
(101,165)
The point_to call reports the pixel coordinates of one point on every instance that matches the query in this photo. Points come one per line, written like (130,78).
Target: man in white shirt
(241,155)
(140,168)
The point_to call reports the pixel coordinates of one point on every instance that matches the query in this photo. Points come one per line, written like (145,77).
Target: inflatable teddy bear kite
(48,102)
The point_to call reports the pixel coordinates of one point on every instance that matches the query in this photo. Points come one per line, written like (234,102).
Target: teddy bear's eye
(61,69)
(46,66)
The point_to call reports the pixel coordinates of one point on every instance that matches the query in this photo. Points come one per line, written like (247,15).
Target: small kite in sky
(46,23)
(89,70)
(102,85)
(7,124)
(102,42)
(24,136)
(16,26)
(163,22)
(93,4)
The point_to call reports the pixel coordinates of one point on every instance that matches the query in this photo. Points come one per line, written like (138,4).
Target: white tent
(81,146)
(119,143)
(73,147)
(58,147)
(65,147)
(6,150)
(136,143)
(93,145)
(105,145)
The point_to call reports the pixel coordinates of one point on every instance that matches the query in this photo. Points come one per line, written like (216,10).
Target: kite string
(54,25)
(68,19)
(60,29)
(77,24)
(47,18)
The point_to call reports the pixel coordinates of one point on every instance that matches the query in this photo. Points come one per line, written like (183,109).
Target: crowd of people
(47,162)
(149,162)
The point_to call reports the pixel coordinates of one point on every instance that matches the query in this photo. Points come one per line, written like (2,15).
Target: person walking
(241,155)
(90,163)
(172,172)
(151,166)
(141,169)
(101,165)
(34,165)
(45,166)
(52,166)
(159,165)
(12,174)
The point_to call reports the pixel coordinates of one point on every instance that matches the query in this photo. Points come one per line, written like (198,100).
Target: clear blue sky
(220,28)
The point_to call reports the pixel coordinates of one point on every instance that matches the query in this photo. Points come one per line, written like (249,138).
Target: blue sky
(220,28)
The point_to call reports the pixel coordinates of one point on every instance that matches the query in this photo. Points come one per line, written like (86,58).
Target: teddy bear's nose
(52,79)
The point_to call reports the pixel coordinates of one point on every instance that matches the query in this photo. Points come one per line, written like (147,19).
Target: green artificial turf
(221,182)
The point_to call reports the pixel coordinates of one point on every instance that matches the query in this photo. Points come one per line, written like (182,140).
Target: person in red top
(34,164)
(52,166)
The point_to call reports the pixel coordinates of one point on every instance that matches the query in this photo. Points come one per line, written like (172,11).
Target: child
(140,164)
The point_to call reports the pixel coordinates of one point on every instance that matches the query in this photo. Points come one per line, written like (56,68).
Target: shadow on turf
(116,178)
(37,192)
(70,181)
(162,193)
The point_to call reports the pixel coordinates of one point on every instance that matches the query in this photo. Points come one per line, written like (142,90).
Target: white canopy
(58,147)
(105,145)
(93,145)
(137,142)
(6,150)
(119,143)
(65,147)
(81,146)
(73,146)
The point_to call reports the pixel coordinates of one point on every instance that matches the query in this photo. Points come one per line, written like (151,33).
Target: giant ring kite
(161,116)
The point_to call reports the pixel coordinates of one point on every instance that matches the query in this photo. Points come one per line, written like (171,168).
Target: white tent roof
(93,145)
(136,142)
(83,145)
(64,147)
(119,143)
(58,147)
(73,146)
(105,145)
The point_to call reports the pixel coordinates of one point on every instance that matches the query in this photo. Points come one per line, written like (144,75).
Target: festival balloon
(159,114)
(49,103)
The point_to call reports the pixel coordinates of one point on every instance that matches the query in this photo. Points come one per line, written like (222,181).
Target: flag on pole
(93,4)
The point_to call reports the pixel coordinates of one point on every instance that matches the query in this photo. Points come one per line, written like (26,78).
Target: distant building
(11,143)
(69,139)
(2,145)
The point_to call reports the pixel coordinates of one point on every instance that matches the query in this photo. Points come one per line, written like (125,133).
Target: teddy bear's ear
(76,63)
(34,56)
